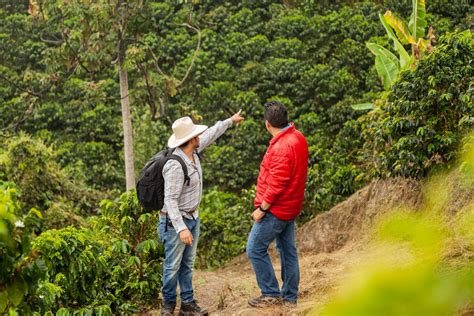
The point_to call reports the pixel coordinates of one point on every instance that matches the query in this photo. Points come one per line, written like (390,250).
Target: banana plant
(388,66)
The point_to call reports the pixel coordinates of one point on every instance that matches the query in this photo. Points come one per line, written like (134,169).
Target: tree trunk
(127,121)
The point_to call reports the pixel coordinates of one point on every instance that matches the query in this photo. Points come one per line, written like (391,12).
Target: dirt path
(226,291)
(329,246)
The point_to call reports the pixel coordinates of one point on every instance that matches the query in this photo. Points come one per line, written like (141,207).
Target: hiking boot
(191,309)
(264,301)
(168,308)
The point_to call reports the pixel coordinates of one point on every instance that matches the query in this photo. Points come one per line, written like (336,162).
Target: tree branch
(155,59)
(196,51)
(16,126)
(30,92)
(54,42)
(163,110)
(76,55)
(26,114)
(149,92)
(190,15)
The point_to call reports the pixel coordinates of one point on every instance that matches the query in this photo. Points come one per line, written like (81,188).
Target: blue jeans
(261,235)
(179,261)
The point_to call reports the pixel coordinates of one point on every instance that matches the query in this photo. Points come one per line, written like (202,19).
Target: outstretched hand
(237,118)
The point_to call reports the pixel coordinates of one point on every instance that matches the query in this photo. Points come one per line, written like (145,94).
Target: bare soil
(329,245)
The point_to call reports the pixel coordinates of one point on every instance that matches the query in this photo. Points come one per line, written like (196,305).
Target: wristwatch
(261,209)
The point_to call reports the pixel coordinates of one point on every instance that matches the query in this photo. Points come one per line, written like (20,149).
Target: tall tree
(93,35)
(123,16)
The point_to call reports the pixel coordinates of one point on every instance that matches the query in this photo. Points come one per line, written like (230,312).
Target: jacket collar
(282,133)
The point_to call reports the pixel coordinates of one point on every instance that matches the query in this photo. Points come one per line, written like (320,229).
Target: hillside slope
(329,246)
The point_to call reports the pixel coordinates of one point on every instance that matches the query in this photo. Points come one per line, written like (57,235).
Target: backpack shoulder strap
(183,165)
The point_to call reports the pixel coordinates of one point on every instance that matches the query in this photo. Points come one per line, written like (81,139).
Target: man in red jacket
(279,199)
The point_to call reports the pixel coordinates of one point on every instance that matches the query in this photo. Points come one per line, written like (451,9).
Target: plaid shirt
(182,200)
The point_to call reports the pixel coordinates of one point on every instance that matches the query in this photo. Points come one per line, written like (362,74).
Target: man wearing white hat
(178,227)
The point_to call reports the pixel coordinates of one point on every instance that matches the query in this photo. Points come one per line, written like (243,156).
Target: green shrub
(32,165)
(20,269)
(113,267)
(225,224)
(77,270)
(417,126)
(424,116)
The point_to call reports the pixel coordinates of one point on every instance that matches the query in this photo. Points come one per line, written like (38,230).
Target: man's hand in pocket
(257,215)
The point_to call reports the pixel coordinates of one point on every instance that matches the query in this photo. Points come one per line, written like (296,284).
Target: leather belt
(190,213)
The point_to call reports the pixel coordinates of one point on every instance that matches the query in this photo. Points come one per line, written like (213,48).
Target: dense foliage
(425,115)
(225,224)
(62,251)
(60,84)
(20,270)
(111,267)
(31,165)
(416,126)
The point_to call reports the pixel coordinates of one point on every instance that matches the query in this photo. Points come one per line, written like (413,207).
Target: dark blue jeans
(261,235)
(179,261)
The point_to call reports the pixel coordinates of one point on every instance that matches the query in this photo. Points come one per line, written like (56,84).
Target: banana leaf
(386,64)
(402,53)
(417,24)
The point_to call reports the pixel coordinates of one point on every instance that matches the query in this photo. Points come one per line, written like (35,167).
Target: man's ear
(267,124)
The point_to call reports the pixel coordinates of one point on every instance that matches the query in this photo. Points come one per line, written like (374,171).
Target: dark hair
(276,114)
(184,145)
(187,143)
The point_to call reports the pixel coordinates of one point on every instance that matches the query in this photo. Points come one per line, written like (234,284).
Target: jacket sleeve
(280,167)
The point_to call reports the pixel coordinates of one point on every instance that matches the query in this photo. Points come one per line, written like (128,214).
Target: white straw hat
(183,130)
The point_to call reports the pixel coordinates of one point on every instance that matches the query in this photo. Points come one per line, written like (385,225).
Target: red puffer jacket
(282,178)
